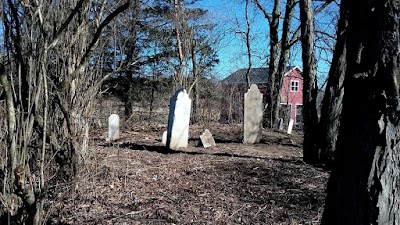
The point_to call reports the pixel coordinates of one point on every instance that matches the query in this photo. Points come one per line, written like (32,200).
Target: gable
(294,72)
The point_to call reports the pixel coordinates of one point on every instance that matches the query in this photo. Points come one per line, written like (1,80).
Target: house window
(294,85)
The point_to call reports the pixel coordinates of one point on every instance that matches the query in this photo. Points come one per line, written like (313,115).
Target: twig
(237,211)
(261,210)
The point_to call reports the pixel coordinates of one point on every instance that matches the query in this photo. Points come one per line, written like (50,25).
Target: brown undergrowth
(136,181)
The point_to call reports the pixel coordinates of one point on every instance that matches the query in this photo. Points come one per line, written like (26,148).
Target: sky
(230,18)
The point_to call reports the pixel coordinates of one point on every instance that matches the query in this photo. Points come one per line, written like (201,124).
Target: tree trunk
(310,116)
(196,78)
(11,118)
(364,185)
(273,58)
(178,80)
(333,97)
(248,45)
(273,21)
(283,59)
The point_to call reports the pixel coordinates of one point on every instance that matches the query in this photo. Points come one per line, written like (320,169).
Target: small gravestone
(207,139)
(253,115)
(178,120)
(113,127)
(164,138)
(290,127)
(280,124)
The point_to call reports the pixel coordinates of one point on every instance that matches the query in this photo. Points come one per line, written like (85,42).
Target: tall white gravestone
(113,127)
(178,120)
(290,127)
(253,115)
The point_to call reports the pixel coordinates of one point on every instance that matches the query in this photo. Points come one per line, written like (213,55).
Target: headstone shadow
(166,150)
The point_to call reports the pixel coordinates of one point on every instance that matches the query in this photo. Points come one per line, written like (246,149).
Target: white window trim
(290,85)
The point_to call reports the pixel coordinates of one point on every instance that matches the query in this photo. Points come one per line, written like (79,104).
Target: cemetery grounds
(136,181)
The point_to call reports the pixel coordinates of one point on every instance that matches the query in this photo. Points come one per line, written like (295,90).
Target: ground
(135,181)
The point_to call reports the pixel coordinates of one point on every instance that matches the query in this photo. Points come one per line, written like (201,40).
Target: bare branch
(96,37)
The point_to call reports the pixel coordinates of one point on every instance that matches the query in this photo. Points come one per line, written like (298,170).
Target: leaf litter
(137,181)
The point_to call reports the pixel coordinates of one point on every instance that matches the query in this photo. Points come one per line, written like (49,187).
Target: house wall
(290,97)
(232,102)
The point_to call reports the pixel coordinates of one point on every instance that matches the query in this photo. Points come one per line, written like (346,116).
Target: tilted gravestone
(253,115)
(207,139)
(113,127)
(178,120)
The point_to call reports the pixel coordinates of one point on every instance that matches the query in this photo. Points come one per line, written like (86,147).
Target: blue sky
(230,17)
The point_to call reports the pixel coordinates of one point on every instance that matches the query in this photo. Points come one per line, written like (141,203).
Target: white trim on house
(296,87)
(294,68)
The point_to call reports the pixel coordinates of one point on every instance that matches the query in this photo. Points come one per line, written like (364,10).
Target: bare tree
(248,44)
(310,89)
(273,20)
(333,97)
(279,49)
(47,68)
(178,22)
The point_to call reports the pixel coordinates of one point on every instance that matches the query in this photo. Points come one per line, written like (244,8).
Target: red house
(292,94)
(291,97)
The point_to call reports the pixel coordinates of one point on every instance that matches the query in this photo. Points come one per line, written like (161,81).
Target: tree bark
(178,80)
(364,185)
(248,45)
(273,21)
(310,90)
(12,142)
(273,57)
(196,80)
(333,97)
(283,58)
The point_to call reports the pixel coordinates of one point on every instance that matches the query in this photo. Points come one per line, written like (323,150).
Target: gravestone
(178,120)
(113,127)
(253,115)
(164,137)
(207,139)
(290,127)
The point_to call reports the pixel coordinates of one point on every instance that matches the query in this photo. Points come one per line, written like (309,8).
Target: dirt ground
(136,181)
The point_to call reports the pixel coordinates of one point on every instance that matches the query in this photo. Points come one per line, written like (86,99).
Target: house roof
(256,75)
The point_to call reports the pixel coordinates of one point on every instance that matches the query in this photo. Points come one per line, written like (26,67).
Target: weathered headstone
(290,127)
(207,139)
(253,115)
(178,120)
(164,138)
(113,127)
(280,123)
